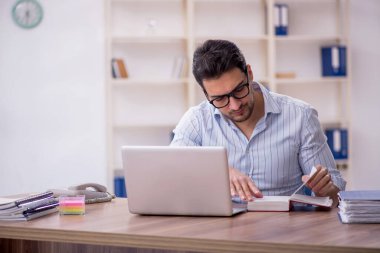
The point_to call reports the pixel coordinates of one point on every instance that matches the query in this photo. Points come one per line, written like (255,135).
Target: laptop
(168,180)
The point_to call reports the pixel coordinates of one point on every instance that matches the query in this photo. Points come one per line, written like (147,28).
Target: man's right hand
(241,185)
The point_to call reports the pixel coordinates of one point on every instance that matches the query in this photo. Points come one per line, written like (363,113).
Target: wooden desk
(108,227)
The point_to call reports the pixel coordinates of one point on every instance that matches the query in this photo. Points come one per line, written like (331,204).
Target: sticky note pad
(72,205)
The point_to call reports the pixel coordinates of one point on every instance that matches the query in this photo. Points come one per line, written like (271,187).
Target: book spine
(34,198)
(122,69)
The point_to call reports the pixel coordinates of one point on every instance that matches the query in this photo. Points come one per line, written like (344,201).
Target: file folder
(337,139)
(281,19)
(334,60)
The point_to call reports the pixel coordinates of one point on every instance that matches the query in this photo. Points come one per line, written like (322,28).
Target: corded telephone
(94,193)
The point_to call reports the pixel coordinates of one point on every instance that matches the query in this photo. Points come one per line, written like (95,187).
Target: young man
(272,140)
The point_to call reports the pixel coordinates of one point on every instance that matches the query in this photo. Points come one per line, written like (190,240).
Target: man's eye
(219,99)
(238,89)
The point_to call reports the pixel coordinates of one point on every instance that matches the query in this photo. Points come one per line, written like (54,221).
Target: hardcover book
(283,203)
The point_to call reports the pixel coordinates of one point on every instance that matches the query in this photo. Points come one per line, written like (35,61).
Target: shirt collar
(270,104)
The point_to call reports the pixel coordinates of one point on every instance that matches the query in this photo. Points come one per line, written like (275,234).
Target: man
(272,140)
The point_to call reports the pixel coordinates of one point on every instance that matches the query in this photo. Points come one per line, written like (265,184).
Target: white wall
(52,123)
(52,130)
(365,101)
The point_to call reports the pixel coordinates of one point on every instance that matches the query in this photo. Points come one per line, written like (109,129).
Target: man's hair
(216,57)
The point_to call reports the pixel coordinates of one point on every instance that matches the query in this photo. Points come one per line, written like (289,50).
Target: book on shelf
(286,75)
(359,206)
(284,203)
(119,69)
(281,19)
(334,60)
(27,208)
(337,139)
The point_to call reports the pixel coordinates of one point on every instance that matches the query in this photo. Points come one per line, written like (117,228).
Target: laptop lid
(168,180)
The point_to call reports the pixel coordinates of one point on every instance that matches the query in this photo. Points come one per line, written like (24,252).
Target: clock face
(27,13)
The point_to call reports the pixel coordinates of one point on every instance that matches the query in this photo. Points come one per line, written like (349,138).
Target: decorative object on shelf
(27,13)
(337,139)
(334,60)
(281,19)
(151,26)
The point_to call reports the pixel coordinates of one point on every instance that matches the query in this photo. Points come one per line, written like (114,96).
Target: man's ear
(250,73)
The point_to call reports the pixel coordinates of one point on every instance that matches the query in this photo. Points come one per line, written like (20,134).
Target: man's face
(238,110)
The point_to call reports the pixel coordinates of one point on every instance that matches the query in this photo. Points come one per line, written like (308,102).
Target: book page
(318,201)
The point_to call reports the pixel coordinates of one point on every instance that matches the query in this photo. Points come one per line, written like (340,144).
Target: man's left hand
(321,184)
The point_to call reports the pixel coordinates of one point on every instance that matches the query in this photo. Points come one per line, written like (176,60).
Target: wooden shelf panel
(147,82)
(310,80)
(148,39)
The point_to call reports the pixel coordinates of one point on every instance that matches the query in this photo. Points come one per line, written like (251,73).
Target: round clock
(27,13)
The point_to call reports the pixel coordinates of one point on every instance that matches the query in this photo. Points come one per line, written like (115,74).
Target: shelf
(310,80)
(148,39)
(245,39)
(309,38)
(144,108)
(147,82)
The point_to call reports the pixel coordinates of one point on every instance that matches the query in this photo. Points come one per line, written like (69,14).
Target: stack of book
(28,208)
(359,206)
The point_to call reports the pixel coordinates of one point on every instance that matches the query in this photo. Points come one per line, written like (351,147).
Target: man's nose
(234,103)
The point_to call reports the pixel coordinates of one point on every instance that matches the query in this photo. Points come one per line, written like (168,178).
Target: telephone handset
(93,192)
(96,187)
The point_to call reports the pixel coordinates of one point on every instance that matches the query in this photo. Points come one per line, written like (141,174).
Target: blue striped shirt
(285,144)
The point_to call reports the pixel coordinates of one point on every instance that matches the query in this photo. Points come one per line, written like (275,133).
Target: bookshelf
(150,34)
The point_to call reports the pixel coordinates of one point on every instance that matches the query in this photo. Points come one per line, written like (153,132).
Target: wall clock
(27,13)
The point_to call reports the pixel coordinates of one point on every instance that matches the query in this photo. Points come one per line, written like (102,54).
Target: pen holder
(72,205)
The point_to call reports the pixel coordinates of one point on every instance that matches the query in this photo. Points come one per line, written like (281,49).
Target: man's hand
(243,186)
(322,185)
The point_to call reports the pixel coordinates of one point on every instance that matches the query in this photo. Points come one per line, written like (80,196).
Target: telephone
(93,192)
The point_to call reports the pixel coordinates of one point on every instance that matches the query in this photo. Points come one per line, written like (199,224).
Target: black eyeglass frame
(231,94)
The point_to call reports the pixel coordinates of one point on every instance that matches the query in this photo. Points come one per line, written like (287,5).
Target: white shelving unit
(150,34)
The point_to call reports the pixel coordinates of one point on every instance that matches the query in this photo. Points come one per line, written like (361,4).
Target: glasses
(241,91)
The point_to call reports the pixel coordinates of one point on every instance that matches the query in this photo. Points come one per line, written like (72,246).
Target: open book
(282,203)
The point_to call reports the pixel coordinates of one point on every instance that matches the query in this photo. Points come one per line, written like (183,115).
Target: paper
(312,172)
(6,200)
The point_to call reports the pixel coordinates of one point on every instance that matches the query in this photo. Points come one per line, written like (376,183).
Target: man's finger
(255,191)
(322,183)
(233,190)
(317,177)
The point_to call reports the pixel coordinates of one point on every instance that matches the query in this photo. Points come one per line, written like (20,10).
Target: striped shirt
(285,144)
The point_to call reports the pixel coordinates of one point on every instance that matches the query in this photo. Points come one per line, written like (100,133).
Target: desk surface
(111,224)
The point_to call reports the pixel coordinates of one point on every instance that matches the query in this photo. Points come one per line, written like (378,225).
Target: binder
(337,139)
(119,184)
(334,60)
(281,19)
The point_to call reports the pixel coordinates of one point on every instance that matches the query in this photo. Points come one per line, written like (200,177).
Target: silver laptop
(165,180)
